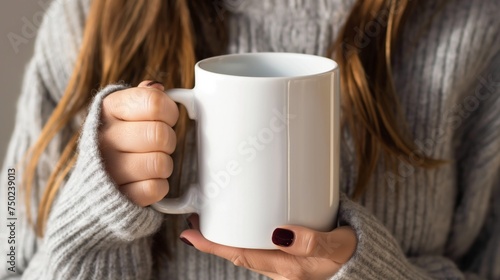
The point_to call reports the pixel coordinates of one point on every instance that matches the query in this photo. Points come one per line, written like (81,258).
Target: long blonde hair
(166,38)
(369,101)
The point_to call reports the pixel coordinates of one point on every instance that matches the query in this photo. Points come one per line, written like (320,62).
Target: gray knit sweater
(411,224)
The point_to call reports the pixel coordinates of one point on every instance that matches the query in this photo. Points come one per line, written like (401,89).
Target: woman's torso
(431,68)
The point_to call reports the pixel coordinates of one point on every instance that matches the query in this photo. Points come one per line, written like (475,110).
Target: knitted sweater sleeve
(379,256)
(93,231)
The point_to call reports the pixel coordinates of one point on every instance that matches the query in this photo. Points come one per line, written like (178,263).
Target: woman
(421,106)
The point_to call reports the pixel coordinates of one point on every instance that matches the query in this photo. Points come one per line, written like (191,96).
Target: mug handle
(188,201)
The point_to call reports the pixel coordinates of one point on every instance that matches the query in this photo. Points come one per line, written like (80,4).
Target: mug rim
(200,67)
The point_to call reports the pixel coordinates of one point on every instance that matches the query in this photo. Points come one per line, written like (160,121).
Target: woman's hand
(302,254)
(136,140)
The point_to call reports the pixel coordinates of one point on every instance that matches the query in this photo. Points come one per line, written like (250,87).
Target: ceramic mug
(268,146)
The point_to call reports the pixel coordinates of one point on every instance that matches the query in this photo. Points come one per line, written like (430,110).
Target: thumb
(338,245)
(154,84)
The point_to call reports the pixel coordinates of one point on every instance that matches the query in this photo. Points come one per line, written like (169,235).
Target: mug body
(268,145)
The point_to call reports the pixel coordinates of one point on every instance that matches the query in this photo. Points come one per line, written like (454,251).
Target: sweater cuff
(90,207)
(378,254)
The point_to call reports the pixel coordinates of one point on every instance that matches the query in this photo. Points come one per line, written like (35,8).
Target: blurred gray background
(18,21)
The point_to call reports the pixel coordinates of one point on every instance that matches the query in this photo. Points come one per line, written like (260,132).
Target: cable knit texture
(413,223)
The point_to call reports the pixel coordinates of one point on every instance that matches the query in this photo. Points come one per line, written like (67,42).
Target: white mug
(268,146)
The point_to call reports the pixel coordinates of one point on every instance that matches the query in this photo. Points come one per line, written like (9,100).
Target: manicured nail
(153,83)
(283,237)
(186,241)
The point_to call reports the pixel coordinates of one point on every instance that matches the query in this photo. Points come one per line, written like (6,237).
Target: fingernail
(190,225)
(283,237)
(186,241)
(153,83)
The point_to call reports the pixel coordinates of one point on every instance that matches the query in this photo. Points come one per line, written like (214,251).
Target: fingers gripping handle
(187,203)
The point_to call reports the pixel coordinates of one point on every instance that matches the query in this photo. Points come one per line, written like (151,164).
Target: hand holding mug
(136,140)
(303,253)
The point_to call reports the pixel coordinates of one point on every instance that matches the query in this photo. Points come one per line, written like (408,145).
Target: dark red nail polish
(186,241)
(153,83)
(283,237)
